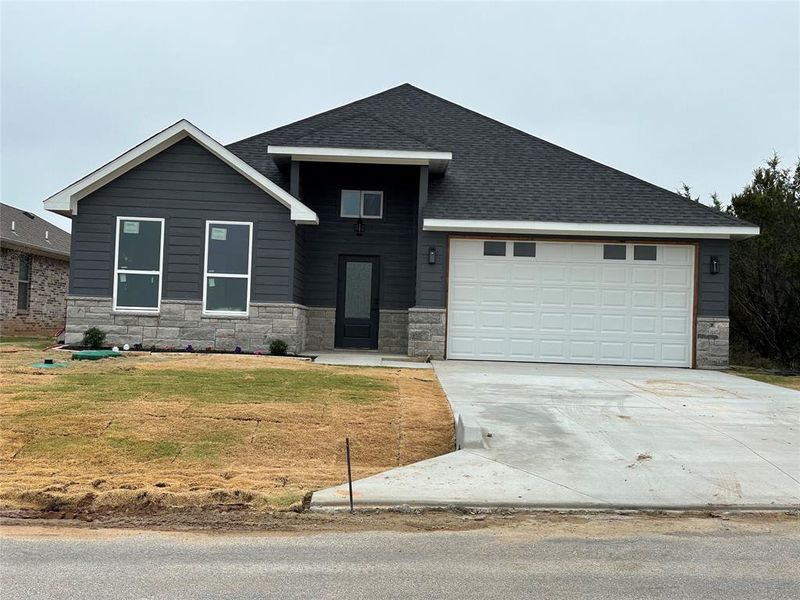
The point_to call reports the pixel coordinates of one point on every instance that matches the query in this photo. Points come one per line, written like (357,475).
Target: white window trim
(360,214)
(341,205)
(363,192)
(160,272)
(229,313)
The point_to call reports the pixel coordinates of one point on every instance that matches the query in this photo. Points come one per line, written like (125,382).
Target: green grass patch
(56,446)
(788,381)
(56,410)
(212,386)
(34,343)
(144,450)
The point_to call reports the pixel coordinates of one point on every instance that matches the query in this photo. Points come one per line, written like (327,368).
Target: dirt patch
(161,431)
(537,525)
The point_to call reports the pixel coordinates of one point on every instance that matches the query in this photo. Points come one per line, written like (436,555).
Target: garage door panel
(644,276)
(583,323)
(644,324)
(524,320)
(674,325)
(678,300)
(582,275)
(611,324)
(676,255)
(583,351)
(554,297)
(611,298)
(492,318)
(614,275)
(676,277)
(554,321)
(569,304)
(644,299)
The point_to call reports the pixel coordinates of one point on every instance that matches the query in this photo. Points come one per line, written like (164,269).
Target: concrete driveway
(543,435)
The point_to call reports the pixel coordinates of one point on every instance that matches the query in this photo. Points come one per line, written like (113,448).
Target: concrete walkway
(541,435)
(366,358)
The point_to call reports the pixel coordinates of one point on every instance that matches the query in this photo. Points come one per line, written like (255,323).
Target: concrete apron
(590,437)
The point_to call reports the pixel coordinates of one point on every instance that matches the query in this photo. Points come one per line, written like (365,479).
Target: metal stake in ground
(349,472)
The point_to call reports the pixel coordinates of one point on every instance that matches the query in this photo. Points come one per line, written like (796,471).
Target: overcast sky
(669,92)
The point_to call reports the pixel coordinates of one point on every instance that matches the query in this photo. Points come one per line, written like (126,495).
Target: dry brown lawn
(153,430)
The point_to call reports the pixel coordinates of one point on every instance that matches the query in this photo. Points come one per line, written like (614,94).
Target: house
(35,274)
(401,222)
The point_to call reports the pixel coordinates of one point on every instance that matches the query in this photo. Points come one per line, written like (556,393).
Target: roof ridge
(561,148)
(320,114)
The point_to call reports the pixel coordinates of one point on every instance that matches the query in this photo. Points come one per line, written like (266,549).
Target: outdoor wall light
(360,226)
(714,265)
(431,255)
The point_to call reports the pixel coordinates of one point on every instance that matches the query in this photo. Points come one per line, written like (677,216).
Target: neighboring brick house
(35,274)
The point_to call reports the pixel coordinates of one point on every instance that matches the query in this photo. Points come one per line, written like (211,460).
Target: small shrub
(94,337)
(278,347)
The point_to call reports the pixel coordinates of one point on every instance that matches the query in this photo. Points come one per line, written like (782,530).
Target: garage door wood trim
(588,240)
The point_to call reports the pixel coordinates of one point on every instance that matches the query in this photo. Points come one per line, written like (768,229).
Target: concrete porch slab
(366,358)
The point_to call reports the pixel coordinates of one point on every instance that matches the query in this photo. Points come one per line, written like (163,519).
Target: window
(361,204)
(24,283)
(226,281)
(137,266)
(615,252)
(525,249)
(494,248)
(645,252)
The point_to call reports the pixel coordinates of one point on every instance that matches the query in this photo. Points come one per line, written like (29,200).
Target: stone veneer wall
(181,323)
(47,309)
(426,332)
(392,330)
(713,339)
(321,328)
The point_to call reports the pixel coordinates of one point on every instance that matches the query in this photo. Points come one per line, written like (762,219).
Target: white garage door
(624,304)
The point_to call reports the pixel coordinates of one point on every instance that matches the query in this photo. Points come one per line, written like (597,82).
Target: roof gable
(497,172)
(66,201)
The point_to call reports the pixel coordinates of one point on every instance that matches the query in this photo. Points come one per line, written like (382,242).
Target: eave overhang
(589,229)
(435,160)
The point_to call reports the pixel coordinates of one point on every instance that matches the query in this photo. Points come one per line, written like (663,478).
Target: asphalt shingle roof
(497,172)
(29,232)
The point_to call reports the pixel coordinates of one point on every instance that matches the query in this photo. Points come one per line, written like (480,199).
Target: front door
(357,302)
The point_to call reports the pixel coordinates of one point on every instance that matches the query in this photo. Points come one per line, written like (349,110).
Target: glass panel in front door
(358,290)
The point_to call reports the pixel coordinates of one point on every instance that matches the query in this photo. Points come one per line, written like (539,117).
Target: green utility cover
(52,365)
(94,354)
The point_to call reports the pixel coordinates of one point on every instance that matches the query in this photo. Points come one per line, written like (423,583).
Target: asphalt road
(495,563)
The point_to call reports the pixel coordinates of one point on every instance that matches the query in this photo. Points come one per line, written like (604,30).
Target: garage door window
(615,252)
(494,248)
(645,252)
(527,249)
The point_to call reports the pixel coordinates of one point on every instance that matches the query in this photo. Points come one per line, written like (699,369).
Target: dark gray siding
(431,286)
(391,238)
(714,289)
(431,279)
(186,185)
(299,265)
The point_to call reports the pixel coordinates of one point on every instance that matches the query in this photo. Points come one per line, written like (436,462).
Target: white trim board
(117,272)
(437,161)
(66,201)
(248,275)
(588,229)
